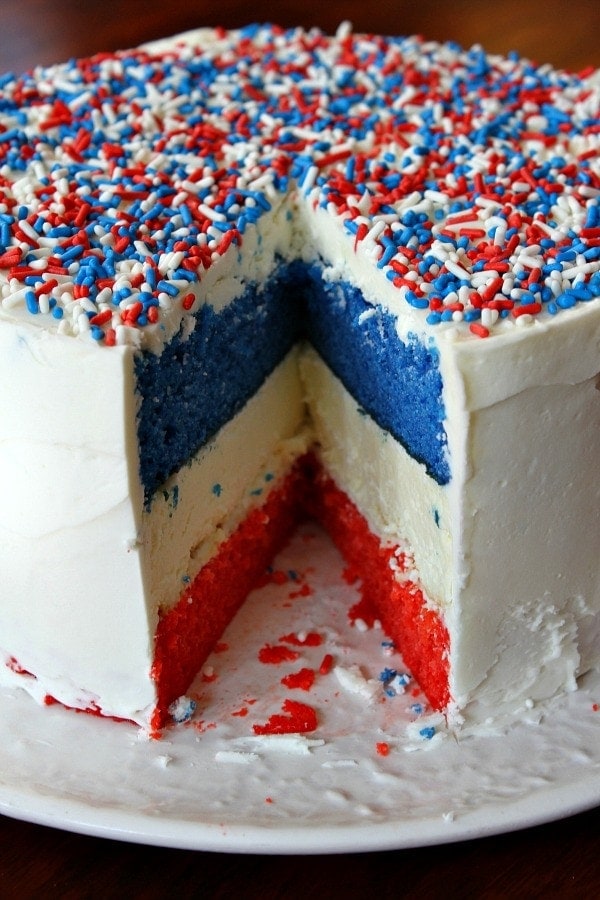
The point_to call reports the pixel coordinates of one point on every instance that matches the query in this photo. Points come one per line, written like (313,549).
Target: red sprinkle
(10,258)
(101,318)
(526,308)
(479,329)
(326,664)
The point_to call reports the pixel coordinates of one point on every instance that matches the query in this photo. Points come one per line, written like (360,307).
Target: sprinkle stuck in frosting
(471,181)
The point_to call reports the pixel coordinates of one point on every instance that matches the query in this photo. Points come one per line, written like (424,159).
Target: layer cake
(255,275)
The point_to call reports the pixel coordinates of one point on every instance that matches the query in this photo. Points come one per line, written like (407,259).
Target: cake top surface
(470,182)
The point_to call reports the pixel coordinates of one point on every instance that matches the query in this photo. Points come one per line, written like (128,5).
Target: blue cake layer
(397,383)
(198,383)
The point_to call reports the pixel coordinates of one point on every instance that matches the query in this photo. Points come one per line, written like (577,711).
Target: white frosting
(526,595)
(70,517)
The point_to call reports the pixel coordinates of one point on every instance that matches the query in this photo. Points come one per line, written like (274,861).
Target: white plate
(213,785)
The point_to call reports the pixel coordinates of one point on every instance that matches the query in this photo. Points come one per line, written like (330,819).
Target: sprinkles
(471,182)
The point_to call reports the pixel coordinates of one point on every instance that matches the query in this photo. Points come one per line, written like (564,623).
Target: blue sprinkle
(417,302)
(427,733)
(182,709)
(566,300)
(167,288)
(217,489)
(593,216)
(387,674)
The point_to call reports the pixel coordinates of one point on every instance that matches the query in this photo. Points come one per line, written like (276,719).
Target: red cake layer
(187,633)
(417,630)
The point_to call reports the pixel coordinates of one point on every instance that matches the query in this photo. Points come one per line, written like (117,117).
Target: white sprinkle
(489,317)
(212,214)
(456,269)
(13,300)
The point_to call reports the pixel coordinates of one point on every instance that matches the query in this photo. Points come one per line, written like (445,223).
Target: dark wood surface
(560,859)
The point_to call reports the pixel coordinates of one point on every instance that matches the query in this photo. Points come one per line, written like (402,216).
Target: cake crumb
(163,761)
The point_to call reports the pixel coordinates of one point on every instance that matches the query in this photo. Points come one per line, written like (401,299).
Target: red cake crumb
(274,655)
(304,591)
(383,748)
(303,679)
(273,576)
(300,719)
(278,577)
(241,712)
(202,726)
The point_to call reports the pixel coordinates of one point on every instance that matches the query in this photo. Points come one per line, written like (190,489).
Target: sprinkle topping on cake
(472,181)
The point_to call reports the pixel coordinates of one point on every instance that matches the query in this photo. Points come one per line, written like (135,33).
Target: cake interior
(203,380)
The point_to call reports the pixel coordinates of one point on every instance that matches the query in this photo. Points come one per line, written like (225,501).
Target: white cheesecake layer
(400,502)
(205,501)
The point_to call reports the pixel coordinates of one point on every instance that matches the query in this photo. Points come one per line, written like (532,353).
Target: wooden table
(558,859)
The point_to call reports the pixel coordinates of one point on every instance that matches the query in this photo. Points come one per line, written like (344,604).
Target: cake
(256,275)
